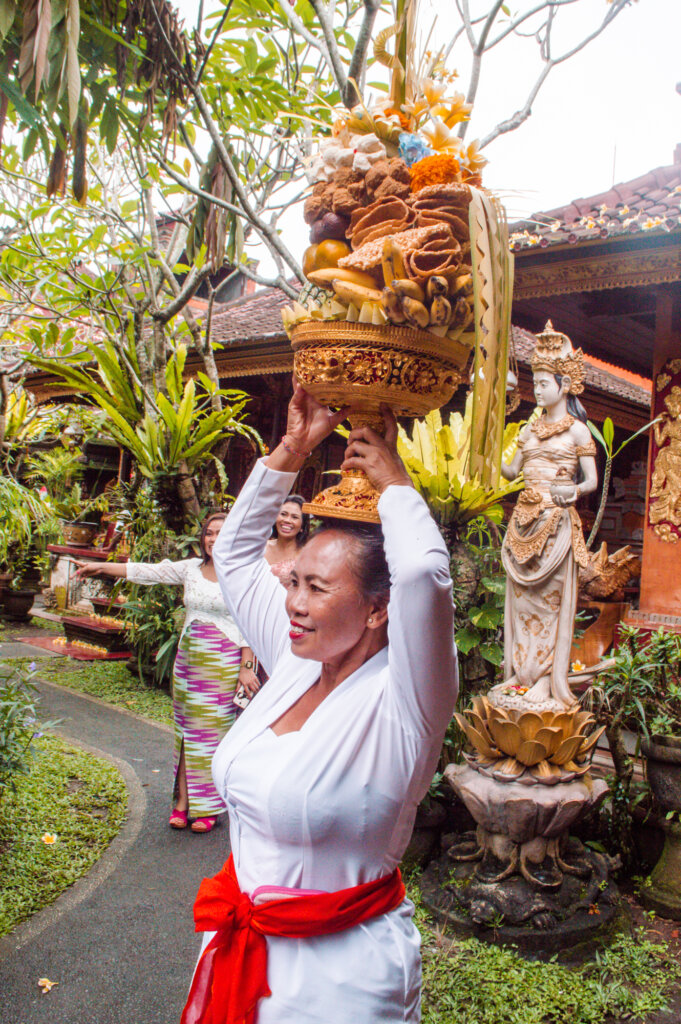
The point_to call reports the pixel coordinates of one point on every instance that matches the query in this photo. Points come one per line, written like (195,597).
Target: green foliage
(27,525)
(437,458)
(477,983)
(153,614)
(180,429)
(480,607)
(69,793)
(642,689)
(18,712)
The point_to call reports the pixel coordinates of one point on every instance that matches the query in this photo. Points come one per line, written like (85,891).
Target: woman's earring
(370,619)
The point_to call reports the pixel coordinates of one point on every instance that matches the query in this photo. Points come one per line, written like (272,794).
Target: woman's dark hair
(574,406)
(367,561)
(204,529)
(301,536)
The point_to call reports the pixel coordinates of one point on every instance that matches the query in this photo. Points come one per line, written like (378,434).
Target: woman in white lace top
(212,660)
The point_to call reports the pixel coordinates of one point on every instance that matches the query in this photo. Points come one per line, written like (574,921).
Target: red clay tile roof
(651,203)
(250,318)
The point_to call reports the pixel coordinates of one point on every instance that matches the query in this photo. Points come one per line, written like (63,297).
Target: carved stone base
(581,913)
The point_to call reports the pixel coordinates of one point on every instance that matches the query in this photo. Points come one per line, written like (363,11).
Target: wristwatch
(247,664)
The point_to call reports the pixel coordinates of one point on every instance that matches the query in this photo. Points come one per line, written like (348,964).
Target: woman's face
(547,390)
(211,535)
(289,522)
(327,610)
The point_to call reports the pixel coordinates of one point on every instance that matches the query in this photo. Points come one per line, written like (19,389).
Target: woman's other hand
(377,455)
(248,681)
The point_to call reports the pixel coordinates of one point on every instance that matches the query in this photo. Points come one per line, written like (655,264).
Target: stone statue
(544,544)
(526,779)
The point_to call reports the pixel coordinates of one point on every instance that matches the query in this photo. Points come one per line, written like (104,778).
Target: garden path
(120,942)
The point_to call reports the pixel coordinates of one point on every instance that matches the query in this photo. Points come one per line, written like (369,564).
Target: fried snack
(448,203)
(370,254)
(387,216)
(437,256)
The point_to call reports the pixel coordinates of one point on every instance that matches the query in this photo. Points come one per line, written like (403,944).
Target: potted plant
(59,472)
(26,525)
(640,695)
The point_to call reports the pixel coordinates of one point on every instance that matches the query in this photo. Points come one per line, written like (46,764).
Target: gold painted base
(353,497)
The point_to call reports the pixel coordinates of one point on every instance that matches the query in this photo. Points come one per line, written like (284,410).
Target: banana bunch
(436,308)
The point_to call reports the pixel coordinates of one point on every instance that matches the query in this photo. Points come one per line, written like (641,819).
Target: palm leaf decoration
(492,264)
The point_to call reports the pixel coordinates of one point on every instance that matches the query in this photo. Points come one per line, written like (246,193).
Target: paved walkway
(120,942)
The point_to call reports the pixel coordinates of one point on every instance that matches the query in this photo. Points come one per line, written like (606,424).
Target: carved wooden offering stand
(365,366)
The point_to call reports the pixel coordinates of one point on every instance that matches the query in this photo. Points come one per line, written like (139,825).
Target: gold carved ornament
(664,506)
(554,354)
(543,429)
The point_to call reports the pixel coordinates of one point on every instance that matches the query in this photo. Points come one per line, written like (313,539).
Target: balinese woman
(289,533)
(544,543)
(212,660)
(322,774)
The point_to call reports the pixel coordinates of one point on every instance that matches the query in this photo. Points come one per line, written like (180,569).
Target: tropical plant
(606,440)
(26,525)
(18,710)
(437,458)
(170,435)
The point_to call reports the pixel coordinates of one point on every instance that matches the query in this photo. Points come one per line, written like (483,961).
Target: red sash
(231,975)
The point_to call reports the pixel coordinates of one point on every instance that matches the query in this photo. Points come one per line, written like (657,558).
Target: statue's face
(547,391)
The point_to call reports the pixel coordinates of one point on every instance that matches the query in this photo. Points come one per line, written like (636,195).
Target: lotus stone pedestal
(521,872)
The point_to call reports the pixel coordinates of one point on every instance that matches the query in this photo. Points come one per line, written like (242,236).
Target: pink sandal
(178,819)
(203,824)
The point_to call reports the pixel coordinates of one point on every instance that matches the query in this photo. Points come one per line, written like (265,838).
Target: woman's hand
(309,422)
(307,425)
(377,455)
(87,569)
(248,681)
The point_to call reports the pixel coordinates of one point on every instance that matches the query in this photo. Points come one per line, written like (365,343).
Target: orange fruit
(309,259)
(329,252)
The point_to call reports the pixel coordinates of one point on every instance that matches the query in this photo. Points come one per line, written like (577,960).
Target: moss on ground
(67,793)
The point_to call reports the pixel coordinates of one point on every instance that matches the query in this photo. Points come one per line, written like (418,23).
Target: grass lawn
(110,681)
(469,981)
(69,794)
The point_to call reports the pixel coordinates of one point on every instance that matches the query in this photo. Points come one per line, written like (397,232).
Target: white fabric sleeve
(252,593)
(421,653)
(150,573)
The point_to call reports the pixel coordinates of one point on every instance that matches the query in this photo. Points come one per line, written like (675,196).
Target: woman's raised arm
(421,651)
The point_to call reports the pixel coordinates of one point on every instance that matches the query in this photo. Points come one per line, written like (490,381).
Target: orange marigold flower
(405,121)
(439,169)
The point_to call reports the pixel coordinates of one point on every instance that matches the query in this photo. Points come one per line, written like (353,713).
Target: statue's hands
(377,455)
(562,497)
(309,422)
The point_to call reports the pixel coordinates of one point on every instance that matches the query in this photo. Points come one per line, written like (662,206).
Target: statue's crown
(555,354)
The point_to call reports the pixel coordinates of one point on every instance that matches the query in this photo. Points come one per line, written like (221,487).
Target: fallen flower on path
(49,838)
(45,984)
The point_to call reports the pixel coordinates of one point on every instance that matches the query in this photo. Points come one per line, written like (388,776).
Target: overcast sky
(607,115)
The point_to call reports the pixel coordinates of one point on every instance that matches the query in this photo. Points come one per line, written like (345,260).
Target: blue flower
(32,667)
(412,148)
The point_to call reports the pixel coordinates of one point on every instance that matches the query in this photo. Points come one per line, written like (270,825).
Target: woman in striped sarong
(212,660)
